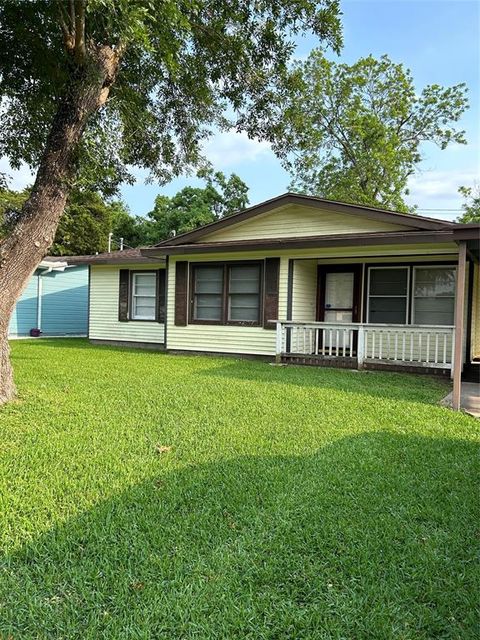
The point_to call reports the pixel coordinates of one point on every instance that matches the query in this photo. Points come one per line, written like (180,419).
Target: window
(144,290)
(434,295)
(208,298)
(244,293)
(226,293)
(388,295)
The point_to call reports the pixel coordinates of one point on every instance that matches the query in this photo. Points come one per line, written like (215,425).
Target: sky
(438,40)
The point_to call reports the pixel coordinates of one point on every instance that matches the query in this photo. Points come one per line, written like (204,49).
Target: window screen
(434,295)
(208,296)
(387,295)
(244,293)
(144,291)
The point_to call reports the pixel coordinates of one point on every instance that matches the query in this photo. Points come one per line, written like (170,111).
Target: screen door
(338,302)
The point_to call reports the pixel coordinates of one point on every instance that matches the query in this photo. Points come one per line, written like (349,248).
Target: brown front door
(339,294)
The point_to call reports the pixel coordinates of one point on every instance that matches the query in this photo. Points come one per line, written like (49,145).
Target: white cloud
(229,148)
(439,189)
(17,179)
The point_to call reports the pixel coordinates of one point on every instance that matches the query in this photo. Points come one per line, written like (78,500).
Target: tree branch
(68,38)
(72,13)
(80,49)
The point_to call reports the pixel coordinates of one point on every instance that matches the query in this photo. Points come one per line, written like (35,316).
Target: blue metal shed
(54,301)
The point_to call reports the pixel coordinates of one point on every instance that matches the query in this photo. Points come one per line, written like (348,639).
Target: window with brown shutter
(227,293)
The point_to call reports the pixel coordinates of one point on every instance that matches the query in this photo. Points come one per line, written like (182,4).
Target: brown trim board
(334,240)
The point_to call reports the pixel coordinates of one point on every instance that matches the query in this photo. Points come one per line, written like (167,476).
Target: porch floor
(469,399)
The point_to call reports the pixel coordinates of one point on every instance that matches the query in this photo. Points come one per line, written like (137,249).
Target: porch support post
(278,343)
(360,346)
(459,322)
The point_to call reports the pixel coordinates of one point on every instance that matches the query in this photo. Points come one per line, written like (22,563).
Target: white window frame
(407,296)
(135,274)
(430,266)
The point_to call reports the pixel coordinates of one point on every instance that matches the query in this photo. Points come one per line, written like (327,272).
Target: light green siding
(304,290)
(296,221)
(104,323)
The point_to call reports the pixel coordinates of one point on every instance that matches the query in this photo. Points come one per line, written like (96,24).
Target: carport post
(459,321)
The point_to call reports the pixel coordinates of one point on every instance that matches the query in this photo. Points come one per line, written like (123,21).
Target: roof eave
(343,240)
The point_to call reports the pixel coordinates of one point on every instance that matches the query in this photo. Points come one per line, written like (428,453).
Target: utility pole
(110,235)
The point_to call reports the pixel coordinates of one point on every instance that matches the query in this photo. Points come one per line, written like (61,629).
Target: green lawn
(294,503)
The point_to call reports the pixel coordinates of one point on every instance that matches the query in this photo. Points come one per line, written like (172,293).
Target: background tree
(84,226)
(91,87)
(11,203)
(195,206)
(471,206)
(353,132)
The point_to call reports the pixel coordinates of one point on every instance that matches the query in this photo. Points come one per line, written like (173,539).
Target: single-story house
(55,301)
(305,280)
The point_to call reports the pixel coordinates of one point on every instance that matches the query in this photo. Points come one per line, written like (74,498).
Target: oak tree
(354,132)
(89,88)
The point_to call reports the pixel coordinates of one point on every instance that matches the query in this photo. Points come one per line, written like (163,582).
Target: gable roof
(394,217)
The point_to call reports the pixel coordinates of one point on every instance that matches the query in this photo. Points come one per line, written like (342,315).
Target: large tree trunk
(23,249)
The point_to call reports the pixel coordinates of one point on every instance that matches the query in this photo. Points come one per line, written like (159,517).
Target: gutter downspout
(39,296)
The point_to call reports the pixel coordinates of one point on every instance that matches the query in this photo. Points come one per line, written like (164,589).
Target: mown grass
(294,502)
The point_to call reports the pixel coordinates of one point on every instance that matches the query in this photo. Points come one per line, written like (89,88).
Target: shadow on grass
(371,537)
(385,384)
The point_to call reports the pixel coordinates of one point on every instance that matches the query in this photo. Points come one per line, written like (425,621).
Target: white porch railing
(414,345)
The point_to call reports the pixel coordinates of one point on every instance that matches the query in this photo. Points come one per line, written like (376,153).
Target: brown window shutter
(181,293)
(161,295)
(123,294)
(270,304)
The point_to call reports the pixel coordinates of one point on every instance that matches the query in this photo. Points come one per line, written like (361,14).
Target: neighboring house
(349,286)
(55,300)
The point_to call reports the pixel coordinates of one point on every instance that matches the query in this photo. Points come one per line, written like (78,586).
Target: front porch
(408,312)
(358,345)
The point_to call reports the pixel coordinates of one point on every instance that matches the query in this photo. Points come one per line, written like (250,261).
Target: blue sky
(438,40)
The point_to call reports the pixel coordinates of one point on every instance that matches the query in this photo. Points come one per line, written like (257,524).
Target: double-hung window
(244,293)
(208,293)
(226,293)
(434,295)
(388,295)
(144,292)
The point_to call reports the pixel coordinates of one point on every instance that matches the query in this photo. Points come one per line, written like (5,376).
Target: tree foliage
(353,132)
(193,207)
(182,64)
(89,88)
(471,206)
(84,226)
(11,203)
(188,209)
